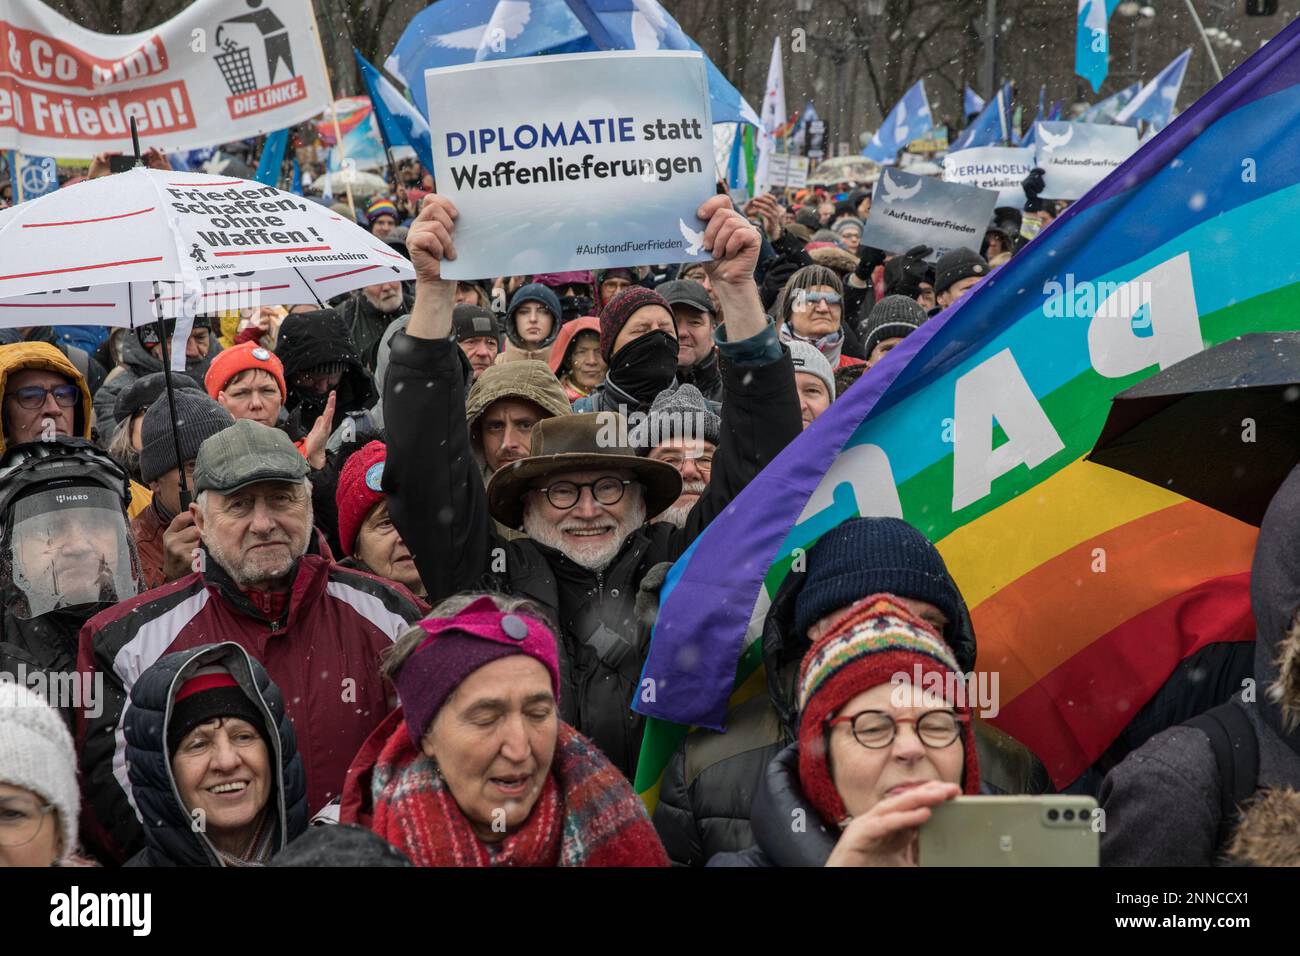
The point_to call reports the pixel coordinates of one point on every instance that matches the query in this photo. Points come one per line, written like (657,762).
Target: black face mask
(645,366)
(575,306)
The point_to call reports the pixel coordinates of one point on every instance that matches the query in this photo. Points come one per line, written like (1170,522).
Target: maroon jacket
(147,528)
(322,652)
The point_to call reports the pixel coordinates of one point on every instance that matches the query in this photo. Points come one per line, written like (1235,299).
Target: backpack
(1236,752)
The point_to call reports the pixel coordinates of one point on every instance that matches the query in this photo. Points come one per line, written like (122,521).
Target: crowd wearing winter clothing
(374,581)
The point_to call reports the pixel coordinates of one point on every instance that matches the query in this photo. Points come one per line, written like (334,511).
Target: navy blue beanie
(534,292)
(868,556)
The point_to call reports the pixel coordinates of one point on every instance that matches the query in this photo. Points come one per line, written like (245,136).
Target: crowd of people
(375,583)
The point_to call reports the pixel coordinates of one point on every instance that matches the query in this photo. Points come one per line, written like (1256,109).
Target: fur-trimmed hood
(1266,835)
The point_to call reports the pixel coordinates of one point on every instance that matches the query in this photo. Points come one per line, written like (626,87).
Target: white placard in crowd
(909,210)
(220,70)
(787,171)
(1000,168)
(581,161)
(1077,156)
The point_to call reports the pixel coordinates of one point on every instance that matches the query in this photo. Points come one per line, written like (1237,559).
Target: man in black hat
(697,356)
(956,273)
(478,333)
(583,496)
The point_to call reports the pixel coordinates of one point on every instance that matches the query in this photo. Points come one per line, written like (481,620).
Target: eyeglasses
(812,298)
(875,729)
(565,494)
(21,820)
(33,396)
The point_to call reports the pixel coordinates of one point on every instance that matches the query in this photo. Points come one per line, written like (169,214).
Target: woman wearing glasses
(811,309)
(875,752)
(39,803)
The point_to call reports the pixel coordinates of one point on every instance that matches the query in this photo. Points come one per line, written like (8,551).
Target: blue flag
(1031,137)
(1155,102)
(1106,110)
(909,119)
(295,182)
(399,122)
(1092,45)
(992,127)
(452,32)
(268,169)
(37,175)
(972,102)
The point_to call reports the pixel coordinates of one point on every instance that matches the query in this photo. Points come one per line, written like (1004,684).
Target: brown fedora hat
(586,442)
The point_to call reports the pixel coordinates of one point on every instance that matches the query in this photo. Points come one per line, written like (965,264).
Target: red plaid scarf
(586,814)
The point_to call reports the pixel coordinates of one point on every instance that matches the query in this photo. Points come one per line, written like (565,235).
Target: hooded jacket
(1162,802)
(137,361)
(530,381)
(322,651)
(310,339)
(429,475)
(706,798)
(560,352)
(45,357)
(82,360)
(515,349)
(169,833)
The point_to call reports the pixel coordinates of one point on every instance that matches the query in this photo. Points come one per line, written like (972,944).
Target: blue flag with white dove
(1155,102)
(455,32)
(992,127)
(972,102)
(910,119)
(399,122)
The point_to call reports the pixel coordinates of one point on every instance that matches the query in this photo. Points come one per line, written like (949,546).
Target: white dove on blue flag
(455,32)
(991,127)
(909,120)
(1155,102)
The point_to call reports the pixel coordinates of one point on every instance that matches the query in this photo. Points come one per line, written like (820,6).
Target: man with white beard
(584,495)
(682,431)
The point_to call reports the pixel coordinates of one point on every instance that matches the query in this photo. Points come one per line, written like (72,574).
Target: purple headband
(457,646)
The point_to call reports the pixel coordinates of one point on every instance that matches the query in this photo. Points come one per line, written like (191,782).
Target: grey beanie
(197,418)
(36,753)
(670,411)
(808,359)
(893,317)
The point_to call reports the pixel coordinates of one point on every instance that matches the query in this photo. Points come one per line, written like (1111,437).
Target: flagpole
(1209,48)
(18,179)
(334,116)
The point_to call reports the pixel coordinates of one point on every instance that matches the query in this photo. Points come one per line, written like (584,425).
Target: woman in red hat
(366,532)
(882,740)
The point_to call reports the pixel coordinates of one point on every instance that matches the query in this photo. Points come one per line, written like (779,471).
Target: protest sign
(581,161)
(999,168)
(216,72)
(787,171)
(1077,156)
(909,210)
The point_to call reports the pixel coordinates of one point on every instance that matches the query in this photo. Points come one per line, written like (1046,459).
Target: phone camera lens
(1052,814)
(1069,814)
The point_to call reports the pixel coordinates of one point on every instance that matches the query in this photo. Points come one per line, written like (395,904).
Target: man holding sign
(584,497)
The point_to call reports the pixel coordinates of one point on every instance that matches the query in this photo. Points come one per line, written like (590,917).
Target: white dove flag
(1076,156)
(909,210)
(773,119)
(578,161)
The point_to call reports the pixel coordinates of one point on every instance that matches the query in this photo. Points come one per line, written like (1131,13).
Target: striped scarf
(586,814)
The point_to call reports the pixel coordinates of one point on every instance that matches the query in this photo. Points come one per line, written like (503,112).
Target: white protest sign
(1076,156)
(579,161)
(220,70)
(787,171)
(909,210)
(1000,168)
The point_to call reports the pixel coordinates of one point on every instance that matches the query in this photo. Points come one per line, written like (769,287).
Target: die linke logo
(253,50)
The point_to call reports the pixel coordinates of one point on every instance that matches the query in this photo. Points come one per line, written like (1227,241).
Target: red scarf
(586,814)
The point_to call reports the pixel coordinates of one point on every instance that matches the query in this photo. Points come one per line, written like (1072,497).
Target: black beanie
(211,692)
(474,321)
(866,556)
(955,265)
(197,418)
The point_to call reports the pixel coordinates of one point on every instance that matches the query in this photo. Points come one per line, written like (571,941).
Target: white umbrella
(362,183)
(149,244)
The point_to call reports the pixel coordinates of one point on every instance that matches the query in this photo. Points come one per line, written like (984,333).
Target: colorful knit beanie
(863,651)
(619,309)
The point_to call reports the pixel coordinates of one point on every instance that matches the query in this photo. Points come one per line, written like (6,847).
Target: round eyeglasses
(565,494)
(875,729)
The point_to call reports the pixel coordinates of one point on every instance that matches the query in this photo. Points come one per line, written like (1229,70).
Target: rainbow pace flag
(1087,586)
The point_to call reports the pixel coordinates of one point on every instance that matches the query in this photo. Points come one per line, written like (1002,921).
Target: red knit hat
(863,651)
(239,358)
(619,309)
(358,491)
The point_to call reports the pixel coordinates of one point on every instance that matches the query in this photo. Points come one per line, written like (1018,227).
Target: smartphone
(1048,830)
(120,163)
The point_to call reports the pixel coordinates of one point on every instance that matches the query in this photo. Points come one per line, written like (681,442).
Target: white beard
(593,557)
(676,513)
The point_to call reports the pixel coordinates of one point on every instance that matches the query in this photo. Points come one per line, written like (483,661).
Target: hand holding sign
(733,241)
(429,239)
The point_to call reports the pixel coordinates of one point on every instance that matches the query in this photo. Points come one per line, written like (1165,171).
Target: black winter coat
(170,838)
(366,325)
(439,506)
(45,645)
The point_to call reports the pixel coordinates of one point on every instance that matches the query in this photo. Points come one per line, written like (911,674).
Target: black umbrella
(1221,427)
